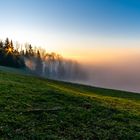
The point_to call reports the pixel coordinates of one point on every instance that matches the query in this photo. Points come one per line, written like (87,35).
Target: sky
(88,30)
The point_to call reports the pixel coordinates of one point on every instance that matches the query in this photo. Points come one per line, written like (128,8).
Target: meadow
(37,108)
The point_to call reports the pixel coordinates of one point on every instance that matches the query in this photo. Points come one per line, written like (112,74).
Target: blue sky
(72,25)
(90,16)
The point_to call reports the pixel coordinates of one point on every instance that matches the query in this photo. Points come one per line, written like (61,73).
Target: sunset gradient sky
(87,30)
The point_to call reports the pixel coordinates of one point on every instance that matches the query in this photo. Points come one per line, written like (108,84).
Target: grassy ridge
(36,108)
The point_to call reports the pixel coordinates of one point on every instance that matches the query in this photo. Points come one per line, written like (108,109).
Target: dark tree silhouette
(40,62)
(8,57)
(39,65)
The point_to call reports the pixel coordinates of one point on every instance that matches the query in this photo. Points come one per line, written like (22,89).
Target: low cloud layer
(123,74)
(120,72)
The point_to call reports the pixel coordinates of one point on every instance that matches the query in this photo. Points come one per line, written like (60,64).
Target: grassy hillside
(36,108)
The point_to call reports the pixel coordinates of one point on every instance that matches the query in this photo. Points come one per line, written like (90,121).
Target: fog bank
(118,71)
(123,74)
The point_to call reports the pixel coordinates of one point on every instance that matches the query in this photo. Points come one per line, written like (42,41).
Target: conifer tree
(39,65)
(7,44)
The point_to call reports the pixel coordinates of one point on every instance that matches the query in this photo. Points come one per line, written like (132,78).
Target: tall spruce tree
(7,44)
(39,65)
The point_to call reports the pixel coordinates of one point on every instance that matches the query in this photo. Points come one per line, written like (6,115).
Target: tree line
(10,56)
(40,62)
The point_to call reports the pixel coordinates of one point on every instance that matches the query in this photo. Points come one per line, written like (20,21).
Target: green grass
(36,108)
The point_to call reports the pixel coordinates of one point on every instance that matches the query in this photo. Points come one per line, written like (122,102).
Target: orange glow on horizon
(102,56)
